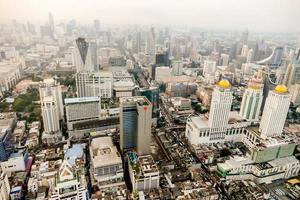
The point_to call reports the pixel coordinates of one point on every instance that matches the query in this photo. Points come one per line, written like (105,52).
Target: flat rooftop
(81,100)
(104,153)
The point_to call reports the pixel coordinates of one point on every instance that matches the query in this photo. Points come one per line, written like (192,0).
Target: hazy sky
(256,15)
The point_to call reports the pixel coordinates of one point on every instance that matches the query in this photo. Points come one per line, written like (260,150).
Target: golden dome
(281,89)
(224,83)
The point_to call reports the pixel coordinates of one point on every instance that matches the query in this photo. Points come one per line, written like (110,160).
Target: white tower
(220,106)
(50,114)
(251,103)
(275,112)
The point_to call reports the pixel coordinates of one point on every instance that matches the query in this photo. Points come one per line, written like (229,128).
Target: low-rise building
(106,164)
(143,172)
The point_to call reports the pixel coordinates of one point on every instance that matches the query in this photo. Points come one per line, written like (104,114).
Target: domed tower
(220,106)
(275,112)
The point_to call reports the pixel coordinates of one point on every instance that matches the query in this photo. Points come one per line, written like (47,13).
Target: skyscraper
(51,24)
(177,68)
(224,60)
(275,112)
(220,106)
(135,124)
(251,103)
(51,105)
(85,55)
(292,75)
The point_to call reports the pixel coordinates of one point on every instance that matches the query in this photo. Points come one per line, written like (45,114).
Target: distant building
(209,67)
(10,74)
(177,68)
(275,112)
(94,84)
(135,124)
(224,60)
(143,172)
(85,55)
(292,74)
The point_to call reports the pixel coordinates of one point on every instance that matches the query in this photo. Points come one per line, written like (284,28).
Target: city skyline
(264,16)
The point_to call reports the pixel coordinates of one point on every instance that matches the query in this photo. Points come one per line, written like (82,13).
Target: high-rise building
(292,75)
(275,112)
(98,84)
(85,55)
(251,103)
(52,110)
(209,67)
(224,60)
(51,24)
(250,56)
(244,52)
(50,114)
(152,94)
(177,68)
(135,124)
(150,42)
(220,106)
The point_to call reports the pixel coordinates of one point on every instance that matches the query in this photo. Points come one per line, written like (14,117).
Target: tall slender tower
(251,103)
(51,24)
(292,75)
(275,112)
(135,124)
(85,56)
(220,106)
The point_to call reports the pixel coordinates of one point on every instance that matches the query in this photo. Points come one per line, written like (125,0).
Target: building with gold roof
(275,112)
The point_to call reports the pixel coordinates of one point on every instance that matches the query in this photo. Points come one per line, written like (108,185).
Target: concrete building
(162,73)
(251,103)
(135,124)
(275,112)
(85,55)
(10,74)
(106,164)
(98,84)
(4,186)
(295,92)
(7,124)
(220,106)
(224,60)
(69,184)
(16,162)
(143,172)
(292,74)
(209,67)
(177,68)
(81,109)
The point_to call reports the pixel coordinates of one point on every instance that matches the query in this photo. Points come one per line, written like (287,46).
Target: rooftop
(81,100)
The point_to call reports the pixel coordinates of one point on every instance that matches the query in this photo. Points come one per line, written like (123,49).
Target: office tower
(51,24)
(275,112)
(244,37)
(177,68)
(152,94)
(97,27)
(274,59)
(244,52)
(150,42)
(224,61)
(85,55)
(295,92)
(135,124)
(51,105)
(292,75)
(251,103)
(98,84)
(138,44)
(220,106)
(209,67)
(250,56)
